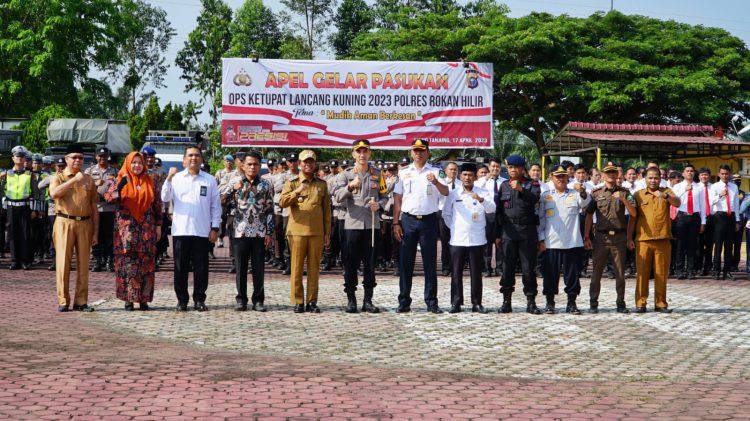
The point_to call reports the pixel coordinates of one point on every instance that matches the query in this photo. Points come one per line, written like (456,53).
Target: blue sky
(728,14)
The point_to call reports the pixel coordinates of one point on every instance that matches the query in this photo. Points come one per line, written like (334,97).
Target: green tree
(95,100)
(200,59)
(172,117)
(294,47)
(316,18)
(255,29)
(47,46)
(152,119)
(142,54)
(352,18)
(35,128)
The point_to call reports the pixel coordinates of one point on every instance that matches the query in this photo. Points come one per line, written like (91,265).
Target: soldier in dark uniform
(609,203)
(516,219)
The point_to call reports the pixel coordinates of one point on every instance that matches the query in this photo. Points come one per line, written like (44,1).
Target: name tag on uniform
(549,198)
(475,216)
(204,190)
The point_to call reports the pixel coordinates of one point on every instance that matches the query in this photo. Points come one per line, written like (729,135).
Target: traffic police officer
(516,223)
(609,203)
(21,192)
(559,227)
(104,175)
(416,206)
(362,192)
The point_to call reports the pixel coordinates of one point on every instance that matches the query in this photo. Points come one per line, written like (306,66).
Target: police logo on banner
(242,79)
(472,78)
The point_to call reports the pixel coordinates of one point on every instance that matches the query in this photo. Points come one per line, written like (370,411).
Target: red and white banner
(330,104)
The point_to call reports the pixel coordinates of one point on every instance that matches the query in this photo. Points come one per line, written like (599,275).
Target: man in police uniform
(333,251)
(280,180)
(416,206)
(516,223)
(21,192)
(104,175)
(308,229)
(609,203)
(362,192)
(38,211)
(559,228)
(44,186)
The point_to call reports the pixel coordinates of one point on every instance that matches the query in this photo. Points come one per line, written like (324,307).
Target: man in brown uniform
(653,232)
(608,203)
(76,227)
(308,229)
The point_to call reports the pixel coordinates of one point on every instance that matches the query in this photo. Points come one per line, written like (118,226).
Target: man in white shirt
(641,184)
(725,208)
(704,255)
(464,214)
(630,177)
(689,222)
(492,183)
(196,218)
(451,180)
(416,205)
(560,228)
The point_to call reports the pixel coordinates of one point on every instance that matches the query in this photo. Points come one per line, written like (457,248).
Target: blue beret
(148,151)
(228,158)
(516,161)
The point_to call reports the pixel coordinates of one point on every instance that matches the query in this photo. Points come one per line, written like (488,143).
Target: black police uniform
(516,221)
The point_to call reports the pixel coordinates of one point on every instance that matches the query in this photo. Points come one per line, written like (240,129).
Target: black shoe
(232,269)
(550,307)
(531,307)
(83,307)
(704,272)
(478,308)
(143,307)
(97,266)
(446,272)
(455,309)
(299,308)
(717,276)
(327,266)
(211,255)
(434,309)
(692,276)
(312,307)
(367,307)
(663,310)
(640,309)
(572,307)
(682,276)
(594,308)
(488,273)
(498,271)
(110,266)
(403,309)
(62,309)
(259,307)
(51,267)
(623,310)
(507,306)
(286,271)
(728,275)
(240,305)
(200,306)
(396,273)
(181,307)
(351,306)
(15,266)
(129,306)
(26,266)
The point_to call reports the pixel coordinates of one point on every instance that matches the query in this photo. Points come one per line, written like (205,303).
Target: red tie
(729,207)
(708,205)
(690,202)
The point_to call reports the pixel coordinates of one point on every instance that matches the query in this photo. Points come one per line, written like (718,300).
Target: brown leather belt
(75,218)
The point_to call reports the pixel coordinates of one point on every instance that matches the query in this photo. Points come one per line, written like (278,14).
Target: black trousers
(489,232)
(252,250)
(278,232)
(445,247)
(567,261)
(737,244)
(358,244)
(48,239)
(163,244)
(385,245)
(475,255)
(104,249)
(423,232)
(685,229)
(723,239)
(19,230)
(38,245)
(339,232)
(705,254)
(334,245)
(188,249)
(524,249)
(3,223)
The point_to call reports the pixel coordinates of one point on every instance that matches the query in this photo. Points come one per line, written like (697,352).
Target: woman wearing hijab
(137,230)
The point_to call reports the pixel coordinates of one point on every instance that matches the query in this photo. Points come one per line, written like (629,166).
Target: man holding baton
(362,192)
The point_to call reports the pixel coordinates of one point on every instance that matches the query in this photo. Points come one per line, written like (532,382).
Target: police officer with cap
(38,211)
(516,223)
(333,250)
(104,175)
(362,192)
(415,222)
(21,190)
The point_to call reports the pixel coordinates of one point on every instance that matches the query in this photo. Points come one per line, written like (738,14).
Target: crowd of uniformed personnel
(493,218)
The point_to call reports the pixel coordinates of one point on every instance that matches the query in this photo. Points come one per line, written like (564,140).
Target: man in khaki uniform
(608,203)
(308,229)
(76,227)
(653,235)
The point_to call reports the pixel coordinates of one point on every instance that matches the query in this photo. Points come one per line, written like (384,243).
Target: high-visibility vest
(18,186)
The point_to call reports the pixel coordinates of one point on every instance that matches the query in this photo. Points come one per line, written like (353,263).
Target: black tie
(496,186)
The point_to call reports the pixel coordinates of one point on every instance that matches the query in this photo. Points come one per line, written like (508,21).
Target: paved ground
(112,364)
